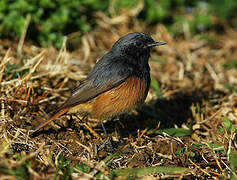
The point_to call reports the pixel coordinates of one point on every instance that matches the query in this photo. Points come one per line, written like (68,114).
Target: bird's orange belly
(125,97)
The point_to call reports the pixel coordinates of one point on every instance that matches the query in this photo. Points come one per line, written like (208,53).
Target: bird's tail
(54,116)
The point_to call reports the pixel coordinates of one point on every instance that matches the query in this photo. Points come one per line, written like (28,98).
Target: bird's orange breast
(127,96)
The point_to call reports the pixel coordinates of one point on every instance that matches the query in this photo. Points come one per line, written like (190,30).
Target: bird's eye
(139,44)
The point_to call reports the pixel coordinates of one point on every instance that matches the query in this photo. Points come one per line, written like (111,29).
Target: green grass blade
(156,87)
(148,170)
(179,132)
(233,164)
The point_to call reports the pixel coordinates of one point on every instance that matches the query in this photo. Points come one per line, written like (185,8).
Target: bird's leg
(121,129)
(92,131)
(117,123)
(88,127)
(117,119)
(106,134)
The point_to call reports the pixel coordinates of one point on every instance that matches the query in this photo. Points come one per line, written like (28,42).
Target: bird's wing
(108,73)
(88,90)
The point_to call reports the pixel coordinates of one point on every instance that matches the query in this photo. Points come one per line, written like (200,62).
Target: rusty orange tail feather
(44,123)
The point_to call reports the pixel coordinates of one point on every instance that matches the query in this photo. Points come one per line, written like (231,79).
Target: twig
(22,39)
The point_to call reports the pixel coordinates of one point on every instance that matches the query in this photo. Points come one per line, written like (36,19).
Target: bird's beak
(156,44)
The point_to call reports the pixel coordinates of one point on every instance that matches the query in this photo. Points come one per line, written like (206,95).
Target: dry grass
(197,96)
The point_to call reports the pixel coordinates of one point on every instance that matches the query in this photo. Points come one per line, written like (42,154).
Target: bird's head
(135,44)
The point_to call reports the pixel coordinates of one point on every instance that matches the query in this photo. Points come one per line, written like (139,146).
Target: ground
(186,129)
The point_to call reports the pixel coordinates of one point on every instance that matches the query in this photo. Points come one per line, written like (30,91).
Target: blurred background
(49,21)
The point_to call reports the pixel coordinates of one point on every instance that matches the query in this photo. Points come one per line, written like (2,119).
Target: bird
(118,83)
